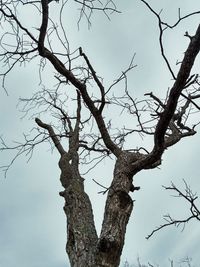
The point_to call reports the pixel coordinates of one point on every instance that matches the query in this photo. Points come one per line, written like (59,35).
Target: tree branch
(190,198)
(52,135)
(167,115)
(98,82)
(175,92)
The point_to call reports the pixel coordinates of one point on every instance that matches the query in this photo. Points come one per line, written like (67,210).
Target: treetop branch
(97,80)
(176,90)
(44,25)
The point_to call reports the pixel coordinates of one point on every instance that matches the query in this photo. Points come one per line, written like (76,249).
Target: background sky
(32,221)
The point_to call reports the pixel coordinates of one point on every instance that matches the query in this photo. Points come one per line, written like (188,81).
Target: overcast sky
(32,221)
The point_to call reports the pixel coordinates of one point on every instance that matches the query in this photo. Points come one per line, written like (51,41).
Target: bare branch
(23,148)
(44,25)
(190,198)
(171,104)
(97,80)
(161,38)
(11,16)
(89,6)
(52,135)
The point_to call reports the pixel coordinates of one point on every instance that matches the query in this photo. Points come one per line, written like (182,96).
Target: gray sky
(32,222)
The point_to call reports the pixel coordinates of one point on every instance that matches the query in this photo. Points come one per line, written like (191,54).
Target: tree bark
(81,232)
(83,247)
(118,209)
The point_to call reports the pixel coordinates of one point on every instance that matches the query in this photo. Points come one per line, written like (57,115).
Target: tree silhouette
(78,103)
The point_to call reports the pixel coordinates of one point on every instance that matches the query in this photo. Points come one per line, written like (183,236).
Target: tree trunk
(83,247)
(118,209)
(81,232)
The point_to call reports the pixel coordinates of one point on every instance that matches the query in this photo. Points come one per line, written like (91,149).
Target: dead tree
(167,122)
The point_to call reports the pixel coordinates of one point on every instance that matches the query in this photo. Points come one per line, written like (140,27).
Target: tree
(166,119)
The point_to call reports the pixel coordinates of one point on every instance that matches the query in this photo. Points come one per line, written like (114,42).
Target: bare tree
(165,119)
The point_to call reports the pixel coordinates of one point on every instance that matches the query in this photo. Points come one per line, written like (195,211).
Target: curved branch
(160,38)
(44,25)
(175,92)
(98,82)
(52,135)
(171,105)
(60,67)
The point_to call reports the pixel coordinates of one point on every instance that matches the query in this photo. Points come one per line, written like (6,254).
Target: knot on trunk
(124,199)
(107,245)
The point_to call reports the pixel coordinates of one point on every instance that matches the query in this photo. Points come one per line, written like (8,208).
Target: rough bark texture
(118,209)
(83,246)
(81,233)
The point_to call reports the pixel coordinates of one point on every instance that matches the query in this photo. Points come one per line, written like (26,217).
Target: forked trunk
(84,248)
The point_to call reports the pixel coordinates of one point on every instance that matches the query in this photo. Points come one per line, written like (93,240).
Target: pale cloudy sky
(32,222)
